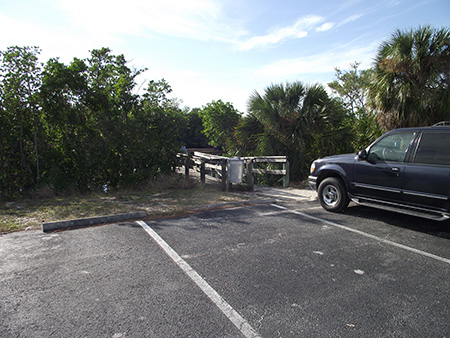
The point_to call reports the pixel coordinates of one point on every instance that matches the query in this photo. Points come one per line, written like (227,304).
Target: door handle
(395,170)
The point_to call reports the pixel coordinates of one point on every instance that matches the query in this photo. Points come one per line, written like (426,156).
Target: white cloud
(325,27)
(284,69)
(23,32)
(298,30)
(54,43)
(196,89)
(351,19)
(195,19)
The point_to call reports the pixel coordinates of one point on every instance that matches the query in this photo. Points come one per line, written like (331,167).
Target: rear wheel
(333,195)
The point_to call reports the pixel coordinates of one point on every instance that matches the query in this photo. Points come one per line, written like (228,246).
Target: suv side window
(434,149)
(391,148)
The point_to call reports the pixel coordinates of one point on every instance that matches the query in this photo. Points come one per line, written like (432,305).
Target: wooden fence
(217,167)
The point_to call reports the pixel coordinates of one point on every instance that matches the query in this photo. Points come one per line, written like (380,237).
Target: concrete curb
(84,222)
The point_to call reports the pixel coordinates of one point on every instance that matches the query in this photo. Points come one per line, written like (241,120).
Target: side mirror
(362,155)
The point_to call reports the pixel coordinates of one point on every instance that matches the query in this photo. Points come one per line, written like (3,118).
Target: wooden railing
(253,165)
(217,167)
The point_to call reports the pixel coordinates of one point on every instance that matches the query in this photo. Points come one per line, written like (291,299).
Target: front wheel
(333,195)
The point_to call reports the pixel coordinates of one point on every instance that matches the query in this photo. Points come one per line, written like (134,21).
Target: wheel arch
(332,173)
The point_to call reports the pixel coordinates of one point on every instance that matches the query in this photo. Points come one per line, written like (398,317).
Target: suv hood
(344,158)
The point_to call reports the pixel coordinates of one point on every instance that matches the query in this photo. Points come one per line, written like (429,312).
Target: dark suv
(405,170)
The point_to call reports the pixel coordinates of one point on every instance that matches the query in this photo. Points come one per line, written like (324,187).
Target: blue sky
(218,49)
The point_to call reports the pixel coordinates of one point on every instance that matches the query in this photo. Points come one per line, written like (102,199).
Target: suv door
(380,174)
(427,178)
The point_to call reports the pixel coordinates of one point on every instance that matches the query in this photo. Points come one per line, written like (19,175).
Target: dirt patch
(29,214)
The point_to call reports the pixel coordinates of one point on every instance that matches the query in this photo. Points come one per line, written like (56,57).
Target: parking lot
(270,270)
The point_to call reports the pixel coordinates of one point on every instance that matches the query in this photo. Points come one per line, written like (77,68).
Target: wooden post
(250,182)
(228,184)
(224,176)
(202,172)
(186,165)
(286,176)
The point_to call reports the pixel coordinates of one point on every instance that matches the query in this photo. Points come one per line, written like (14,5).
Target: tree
(156,94)
(412,75)
(159,123)
(352,86)
(82,125)
(219,121)
(112,103)
(87,106)
(100,132)
(192,135)
(63,97)
(295,120)
(20,120)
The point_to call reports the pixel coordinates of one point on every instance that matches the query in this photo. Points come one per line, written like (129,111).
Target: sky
(210,50)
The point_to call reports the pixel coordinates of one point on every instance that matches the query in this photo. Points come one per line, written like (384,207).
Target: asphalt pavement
(288,269)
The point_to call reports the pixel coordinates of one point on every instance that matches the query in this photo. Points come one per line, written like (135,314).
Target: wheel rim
(331,195)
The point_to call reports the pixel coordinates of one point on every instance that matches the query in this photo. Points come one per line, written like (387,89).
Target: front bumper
(312,182)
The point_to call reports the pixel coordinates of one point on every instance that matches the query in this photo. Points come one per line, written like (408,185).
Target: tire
(333,195)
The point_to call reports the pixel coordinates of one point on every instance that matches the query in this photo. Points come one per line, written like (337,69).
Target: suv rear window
(434,149)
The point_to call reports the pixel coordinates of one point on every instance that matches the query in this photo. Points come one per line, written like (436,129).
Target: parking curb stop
(84,222)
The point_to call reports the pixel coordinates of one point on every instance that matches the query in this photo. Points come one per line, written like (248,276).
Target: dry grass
(168,197)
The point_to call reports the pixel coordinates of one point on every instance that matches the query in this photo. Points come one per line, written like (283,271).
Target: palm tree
(411,80)
(295,120)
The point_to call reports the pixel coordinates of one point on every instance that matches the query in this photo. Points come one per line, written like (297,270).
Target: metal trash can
(235,170)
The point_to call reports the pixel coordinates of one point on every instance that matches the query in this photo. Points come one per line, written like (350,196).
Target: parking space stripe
(226,308)
(362,233)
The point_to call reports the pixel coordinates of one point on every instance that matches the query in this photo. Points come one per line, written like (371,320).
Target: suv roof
(444,125)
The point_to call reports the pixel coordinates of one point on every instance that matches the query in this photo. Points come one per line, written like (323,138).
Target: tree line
(82,126)
(85,125)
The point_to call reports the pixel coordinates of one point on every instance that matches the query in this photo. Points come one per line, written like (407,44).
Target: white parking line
(313,208)
(226,309)
(284,210)
(362,233)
